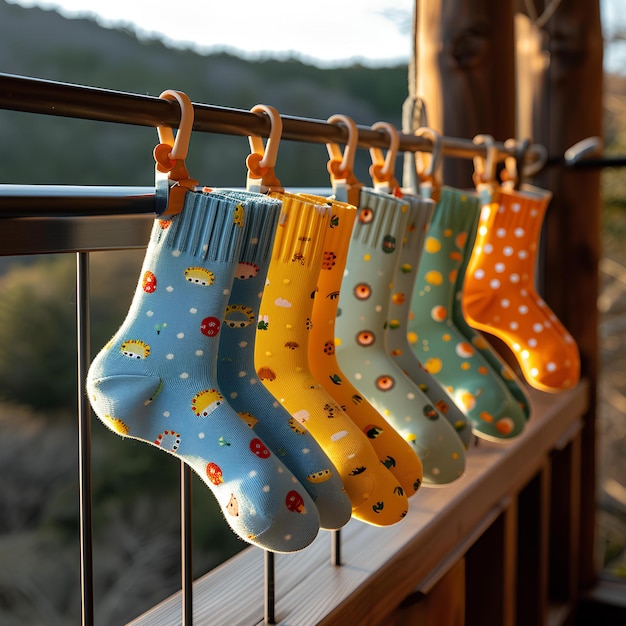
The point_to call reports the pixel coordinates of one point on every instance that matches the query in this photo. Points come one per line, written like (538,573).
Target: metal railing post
(84,438)
(186,543)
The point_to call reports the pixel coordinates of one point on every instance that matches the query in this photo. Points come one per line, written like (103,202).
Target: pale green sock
(360,338)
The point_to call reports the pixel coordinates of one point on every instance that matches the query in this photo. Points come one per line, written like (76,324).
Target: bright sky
(323,32)
(320,31)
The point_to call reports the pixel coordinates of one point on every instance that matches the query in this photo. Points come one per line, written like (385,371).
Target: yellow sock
(281,360)
(392,450)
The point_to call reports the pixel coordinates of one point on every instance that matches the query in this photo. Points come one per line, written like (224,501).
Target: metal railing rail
(19,93)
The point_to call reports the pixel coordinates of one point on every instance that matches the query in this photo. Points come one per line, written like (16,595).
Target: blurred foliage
(38,335)
(79,51)
(136,523)
(613,179)
(610,425)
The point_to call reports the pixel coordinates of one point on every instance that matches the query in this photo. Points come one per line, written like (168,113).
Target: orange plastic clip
(382,169)
(169,155)
(428,175)
(513,164)
(262,160)
(346,186)
(485,168)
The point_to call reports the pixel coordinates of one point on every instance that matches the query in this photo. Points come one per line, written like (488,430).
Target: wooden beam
(572,110)
(465,72)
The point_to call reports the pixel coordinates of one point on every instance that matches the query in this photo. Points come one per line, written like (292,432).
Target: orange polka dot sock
(499,295)
(293,445)
(156,380)
(281,359)
(396,336)
(479,342)
(439,345)
(392,450)
(360,339)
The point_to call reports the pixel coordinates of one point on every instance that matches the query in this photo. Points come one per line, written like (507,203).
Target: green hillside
(43,44)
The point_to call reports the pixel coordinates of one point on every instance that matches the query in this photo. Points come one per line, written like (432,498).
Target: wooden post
(572,110)
(465,72)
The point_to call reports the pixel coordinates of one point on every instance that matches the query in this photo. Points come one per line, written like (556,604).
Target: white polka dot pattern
(499,295)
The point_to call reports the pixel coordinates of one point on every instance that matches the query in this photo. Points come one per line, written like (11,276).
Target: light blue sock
(237,377)
(156,380)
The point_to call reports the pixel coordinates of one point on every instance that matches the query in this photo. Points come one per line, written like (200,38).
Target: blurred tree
(38,335)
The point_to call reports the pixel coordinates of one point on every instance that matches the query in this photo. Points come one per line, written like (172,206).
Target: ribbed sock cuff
(262,214)
(379,216)
(420,213)
(208,227)
(457,210)
(300,233)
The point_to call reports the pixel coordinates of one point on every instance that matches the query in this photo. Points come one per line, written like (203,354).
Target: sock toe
(388,505)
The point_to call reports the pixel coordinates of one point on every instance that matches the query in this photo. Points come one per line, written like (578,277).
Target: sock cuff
(519,208)
(209,227)
(340,224)
(380,219)
(420,214)
(261,219)
(457,210)
(300,232)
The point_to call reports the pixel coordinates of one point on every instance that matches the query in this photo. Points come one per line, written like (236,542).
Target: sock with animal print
(292,443)
(281,359)
(360,328)
(392,450)
(156,380)
(499,295)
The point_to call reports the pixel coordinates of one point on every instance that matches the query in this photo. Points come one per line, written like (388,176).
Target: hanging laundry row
(315,359)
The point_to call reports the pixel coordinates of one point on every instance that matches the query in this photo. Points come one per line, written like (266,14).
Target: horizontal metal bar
(69,200)
(46,219)
(46,235)
(35,95)
(588,163)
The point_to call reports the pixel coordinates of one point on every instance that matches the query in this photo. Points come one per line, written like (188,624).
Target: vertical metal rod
(186,543)
(270,583)
(84,438)
(335,547)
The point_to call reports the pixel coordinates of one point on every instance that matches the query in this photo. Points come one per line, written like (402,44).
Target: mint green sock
(439,345)
(156,380)
(360,343)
